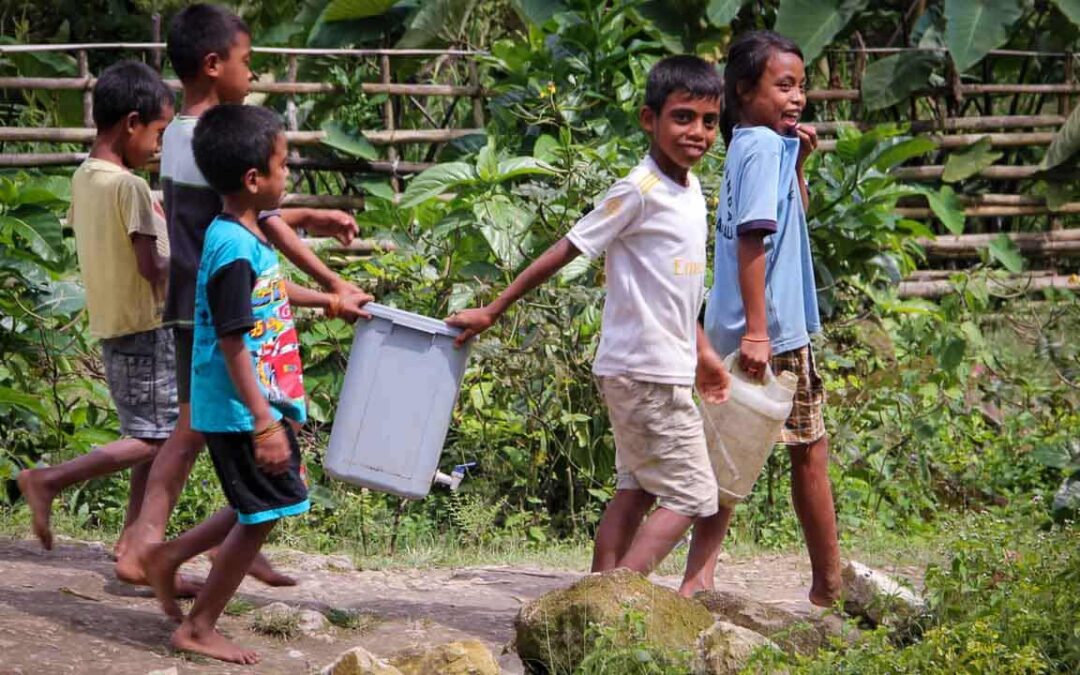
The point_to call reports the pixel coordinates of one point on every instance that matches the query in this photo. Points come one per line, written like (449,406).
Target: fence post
(290,104)
(155,34)
(477,98)
(88,94)
(388,121)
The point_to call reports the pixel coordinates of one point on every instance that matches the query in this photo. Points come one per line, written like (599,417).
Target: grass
(355,620)
(239,606)
(281,625)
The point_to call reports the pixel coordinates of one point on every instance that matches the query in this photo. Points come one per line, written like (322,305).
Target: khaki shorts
(660,444)
(806,423)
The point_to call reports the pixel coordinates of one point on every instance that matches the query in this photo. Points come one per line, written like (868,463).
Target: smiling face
(779,96)
(144,139)
(684,129)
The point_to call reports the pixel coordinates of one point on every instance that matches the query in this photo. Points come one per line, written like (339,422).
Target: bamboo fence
(964,113)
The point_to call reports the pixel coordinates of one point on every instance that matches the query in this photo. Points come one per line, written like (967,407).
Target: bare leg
(197,633)
(40,486)
(811,494)
(261,570)
(619,524)
(704,550)
(136,491)
(655,539)
(161,561)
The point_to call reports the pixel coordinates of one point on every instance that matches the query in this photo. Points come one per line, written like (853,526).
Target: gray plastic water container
(400,388)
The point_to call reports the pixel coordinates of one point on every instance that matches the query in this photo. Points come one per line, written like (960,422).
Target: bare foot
(689,589)
(825,594)
(212,644)
(161,575)
(264,572)
(129,570)
(39,499)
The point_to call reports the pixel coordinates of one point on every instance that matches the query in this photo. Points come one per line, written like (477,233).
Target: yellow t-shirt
(108,205)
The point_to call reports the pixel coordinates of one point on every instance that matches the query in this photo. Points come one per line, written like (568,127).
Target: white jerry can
(400,388)
(742,431)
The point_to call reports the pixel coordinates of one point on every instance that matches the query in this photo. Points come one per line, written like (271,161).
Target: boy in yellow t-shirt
(123,252)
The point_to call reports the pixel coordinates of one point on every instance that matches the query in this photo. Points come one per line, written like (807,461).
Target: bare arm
(285,240)
(322,222)
(475,321)
(152,267)
(755,349)
(346,306)
(272,453)
(804,191)
(712,379)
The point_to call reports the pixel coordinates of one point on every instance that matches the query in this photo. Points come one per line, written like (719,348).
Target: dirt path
(62,611)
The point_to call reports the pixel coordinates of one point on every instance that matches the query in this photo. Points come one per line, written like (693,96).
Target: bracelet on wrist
(747,338)
(268,431)
(334,308)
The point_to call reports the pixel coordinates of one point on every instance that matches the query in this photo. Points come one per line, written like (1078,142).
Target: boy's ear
(212,64)
(647,118)
(130,120)
(251,181)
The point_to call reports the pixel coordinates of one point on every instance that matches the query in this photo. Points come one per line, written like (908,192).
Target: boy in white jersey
(653,226)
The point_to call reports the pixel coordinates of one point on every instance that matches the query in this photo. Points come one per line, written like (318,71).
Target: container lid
(415,321)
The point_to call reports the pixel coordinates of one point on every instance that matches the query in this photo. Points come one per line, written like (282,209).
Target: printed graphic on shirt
(277,358)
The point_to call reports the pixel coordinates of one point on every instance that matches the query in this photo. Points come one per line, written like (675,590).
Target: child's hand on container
(472,322)
(713,379)
(272,451)
(352,304)
(754,355)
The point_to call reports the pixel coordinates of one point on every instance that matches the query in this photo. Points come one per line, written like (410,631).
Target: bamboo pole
(383,137)
(477,97)
(1058,242)
(287,87)
(1011,140)
(299,51)
(32,160)
(1010,285)
(956,123)
(388,120)
(933,172)
(88,96)
(995,211)
(291,120)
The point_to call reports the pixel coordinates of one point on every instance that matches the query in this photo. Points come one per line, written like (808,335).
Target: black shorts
(185,344)
(257,496)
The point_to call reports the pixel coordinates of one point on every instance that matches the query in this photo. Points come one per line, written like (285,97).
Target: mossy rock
(800,634)
(725,649)
(467,657)
(554,631)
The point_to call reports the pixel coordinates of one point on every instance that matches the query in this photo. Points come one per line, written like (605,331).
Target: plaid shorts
(806,423)
(141,371)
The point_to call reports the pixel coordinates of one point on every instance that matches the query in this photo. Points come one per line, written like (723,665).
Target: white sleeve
(621,206)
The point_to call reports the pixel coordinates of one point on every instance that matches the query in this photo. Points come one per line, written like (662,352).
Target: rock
(794,633)
(311,622)
(724,648)
(467,657)
(167,671)
(359,661)
(551,631)
(878,598)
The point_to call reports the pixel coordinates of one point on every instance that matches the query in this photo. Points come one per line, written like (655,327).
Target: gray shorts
(141,371)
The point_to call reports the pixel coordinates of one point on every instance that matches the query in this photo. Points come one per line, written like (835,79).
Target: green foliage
(1065,144)
(977,26)
(626,649)
(1001,601)
(963,165)
(813,24)
(890,80)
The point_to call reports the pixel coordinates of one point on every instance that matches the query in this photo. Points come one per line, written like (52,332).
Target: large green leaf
(1070,8)
(437,180)
(523,166)
(22,400)
(1005,252)
(721,12)
(977,26)
(44,222)
(537,12)
(504,225)
(947,207)
(900,152)
(434,17)
(814,23)
(346,10)
(20,229)
(1066,142)
(964,165)
(348,141)
(892,79)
